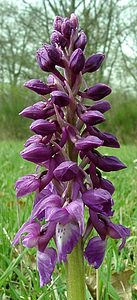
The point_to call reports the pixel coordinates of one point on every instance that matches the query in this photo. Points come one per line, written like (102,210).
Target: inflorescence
(68,178)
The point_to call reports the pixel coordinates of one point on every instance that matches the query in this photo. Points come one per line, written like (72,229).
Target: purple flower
(46,263)
(58,38)
(49,205)
(33,140)
(57,23)
(67,237)
(27,184)
(66,28)
(102,106)
(107,185)
(74,21)
(92,117)
(88,143)
(64,149)
(67,170)
(95,251)
(43,127)
(98,200)
(105,228)
(39,110)
(117,231)
(38,86)
(109,139)
(81,41)
(37,153)
(45,63)
(106,163)
(54,54)
(31,239)
(60,98)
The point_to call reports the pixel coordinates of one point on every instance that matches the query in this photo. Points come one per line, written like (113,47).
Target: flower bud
(53,53)
(34,112)
(67,170)
(37,153)
(106,163)
(96,92)
(88,143)
(51,80)
(98,200)
(43,127)
(110,163)
(109,139)
(66,28)
(27,184)
(58,38)
(45,63)
(33,139)
(60,98)
(38,86)
(93,63)
(74,21)
(81,41)
(101,105)
(92,117)
(77,61)
(107,185)
(57,23)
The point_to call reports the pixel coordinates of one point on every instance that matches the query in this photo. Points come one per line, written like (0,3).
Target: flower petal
(46,263)
(32,228)
(67,237)
(27,184)
(95,251)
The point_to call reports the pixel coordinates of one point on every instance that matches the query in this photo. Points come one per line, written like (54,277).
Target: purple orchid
(64,144)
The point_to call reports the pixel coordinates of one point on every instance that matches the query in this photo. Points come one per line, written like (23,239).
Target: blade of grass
(11,267)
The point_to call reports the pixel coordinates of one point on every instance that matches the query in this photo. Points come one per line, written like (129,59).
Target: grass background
(19,277)
(121,119)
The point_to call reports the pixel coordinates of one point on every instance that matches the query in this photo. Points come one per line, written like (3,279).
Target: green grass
(19,277)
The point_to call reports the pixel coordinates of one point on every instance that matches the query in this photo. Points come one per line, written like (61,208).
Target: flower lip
(46,261)
(95,251)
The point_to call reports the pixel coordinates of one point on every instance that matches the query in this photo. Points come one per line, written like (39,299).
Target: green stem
(97,284)
(75,274)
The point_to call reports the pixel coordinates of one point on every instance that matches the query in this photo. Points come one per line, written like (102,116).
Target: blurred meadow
(111,28)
